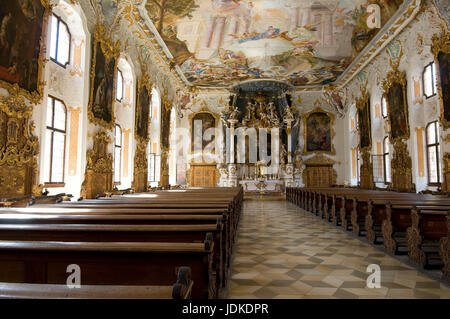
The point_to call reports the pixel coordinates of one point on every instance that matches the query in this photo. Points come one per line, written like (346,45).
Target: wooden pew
(181,289)
(111,263)
(428,227)
(123,233)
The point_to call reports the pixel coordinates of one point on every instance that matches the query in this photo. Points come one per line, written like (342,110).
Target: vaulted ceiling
(219,43)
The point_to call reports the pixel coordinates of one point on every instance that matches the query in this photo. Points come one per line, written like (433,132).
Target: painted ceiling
(218,43)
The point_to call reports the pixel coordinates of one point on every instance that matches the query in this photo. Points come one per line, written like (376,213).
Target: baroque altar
(261,151)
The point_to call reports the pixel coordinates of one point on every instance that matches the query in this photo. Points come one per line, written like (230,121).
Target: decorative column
(216,41)
(232,177)
(289,179)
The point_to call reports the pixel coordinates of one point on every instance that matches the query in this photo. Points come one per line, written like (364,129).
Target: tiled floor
(285,252)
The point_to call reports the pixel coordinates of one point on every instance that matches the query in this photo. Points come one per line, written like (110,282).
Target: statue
(283,155)
(234,113)
(288,115)
(298,162)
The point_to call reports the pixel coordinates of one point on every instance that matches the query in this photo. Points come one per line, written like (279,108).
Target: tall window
(119,86)
(433,150)
(60,41)
(429,80)
(55,141)
(358,175)
(386,161)
(383,107)
(117,153)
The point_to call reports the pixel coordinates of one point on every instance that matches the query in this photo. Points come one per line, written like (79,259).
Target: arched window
(117,153)
(433,151)
(59,41)
(429,80)
(55,142)
(119,86)
(383,107)
(386,161)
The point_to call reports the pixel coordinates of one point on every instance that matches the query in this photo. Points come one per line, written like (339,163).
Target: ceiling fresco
(218,43)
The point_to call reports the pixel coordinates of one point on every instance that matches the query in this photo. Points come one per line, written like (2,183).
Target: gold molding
(111,51)
(393,77)
(401,168)
(19,148)
(305,118)
(99,167)
(140,173)
(35,97)
(441,44)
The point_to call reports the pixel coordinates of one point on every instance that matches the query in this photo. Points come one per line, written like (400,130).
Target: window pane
(117,164)
(119,87)
(49,121)
(118,136)
(434,78)
(157,167)
(46,154)
(386,145)
(53,37)
(431,133)
(58,157)
(63,44)
(432,165)
(60,116)
(387,163)
(151,168)
(384,107)
(428,81)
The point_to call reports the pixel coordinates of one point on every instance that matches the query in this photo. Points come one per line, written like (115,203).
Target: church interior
(213,149)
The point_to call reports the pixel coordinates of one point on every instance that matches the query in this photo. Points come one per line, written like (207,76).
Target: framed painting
(103,79)
(395,93)
(441,52)
(208,120)
(319,133)
(166,109)
(143,107)
(23,33)
(364,122)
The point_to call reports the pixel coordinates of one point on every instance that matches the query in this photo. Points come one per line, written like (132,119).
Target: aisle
(285,252)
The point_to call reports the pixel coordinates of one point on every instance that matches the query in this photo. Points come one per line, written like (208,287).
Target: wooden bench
(111,263)
(428,227)
(182,289)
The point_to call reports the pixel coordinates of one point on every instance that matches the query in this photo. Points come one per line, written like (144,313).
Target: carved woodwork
(415,253)
(140,167)
(319,172)
(402,169)
(444,252)
(202,175)
(366,170)
(18,148)
(99,167)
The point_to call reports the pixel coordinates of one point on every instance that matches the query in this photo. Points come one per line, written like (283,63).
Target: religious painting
(217,42)
(165,124)
(364,122)
(395,94)
(207,121)
(444,71)
(103,87)
(441,51)
(143,107)
(21,29)
(318,132)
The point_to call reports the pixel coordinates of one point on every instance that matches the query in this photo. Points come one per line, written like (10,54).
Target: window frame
(119,71)
(50,183)
(384,102)
(115,183)
(433,80)
(69,56)
(436,145)
(385,158)
(358,168)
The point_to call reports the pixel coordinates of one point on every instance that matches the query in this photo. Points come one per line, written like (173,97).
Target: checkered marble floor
(284,252)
